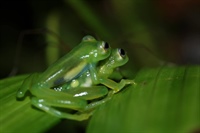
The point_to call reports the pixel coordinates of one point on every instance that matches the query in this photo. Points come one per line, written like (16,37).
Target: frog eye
(106,46)
(88,38)
(122,53)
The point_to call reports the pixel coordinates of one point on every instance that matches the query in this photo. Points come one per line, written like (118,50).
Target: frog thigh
(88,93)
(58,99)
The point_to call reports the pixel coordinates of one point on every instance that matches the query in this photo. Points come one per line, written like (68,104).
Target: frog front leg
(116,87)
(99,79)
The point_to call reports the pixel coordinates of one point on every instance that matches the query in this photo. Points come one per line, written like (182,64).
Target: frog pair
(78,81)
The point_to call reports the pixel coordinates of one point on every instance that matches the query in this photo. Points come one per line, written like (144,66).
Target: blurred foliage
(154,33)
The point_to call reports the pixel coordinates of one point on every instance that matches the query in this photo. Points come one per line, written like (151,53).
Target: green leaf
(19,115)
(165,99)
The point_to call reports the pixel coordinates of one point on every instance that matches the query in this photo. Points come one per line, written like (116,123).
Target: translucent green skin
(78,63)
(88,88)
(84,85)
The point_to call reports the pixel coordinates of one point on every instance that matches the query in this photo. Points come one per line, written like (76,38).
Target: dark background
(173,25)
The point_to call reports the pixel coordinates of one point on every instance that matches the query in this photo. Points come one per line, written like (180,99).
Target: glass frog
(76,66)
(90,88)
(105,68)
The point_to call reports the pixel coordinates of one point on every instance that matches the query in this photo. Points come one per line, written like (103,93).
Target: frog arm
(93,74)
(116,87)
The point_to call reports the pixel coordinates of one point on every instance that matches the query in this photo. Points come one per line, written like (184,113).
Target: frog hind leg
(91,93)
(88,93)
(47,99)
(58,99)
(93,105)
(45,106)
